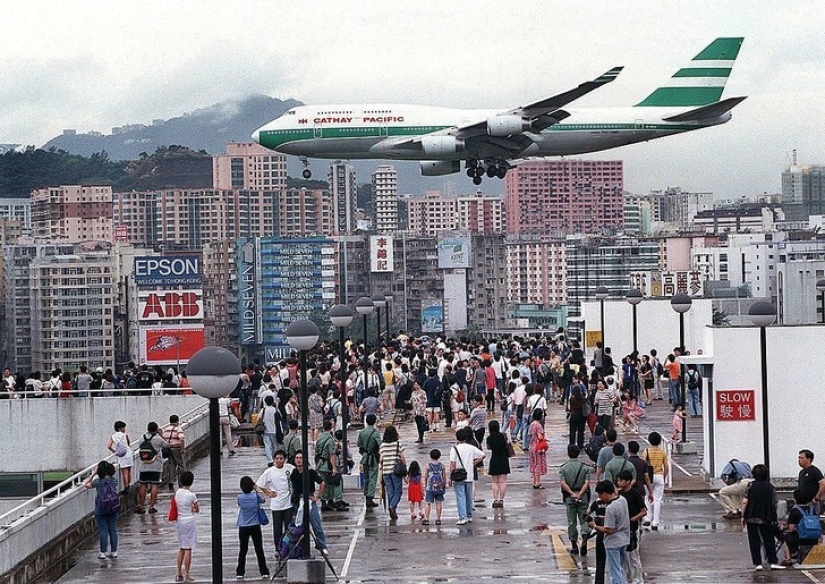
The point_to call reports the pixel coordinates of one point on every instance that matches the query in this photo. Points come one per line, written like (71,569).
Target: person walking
(249,526)
(106,511)
(538,454)
(759,517)
(499,466)
(578,408)
(616,530)
(419,408)
(463,457)
(186,529)
(369,446)
(151,467)
(272,427)
(389,452)
(657,459)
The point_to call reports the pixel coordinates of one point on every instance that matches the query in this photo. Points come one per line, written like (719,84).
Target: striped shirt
(389,453)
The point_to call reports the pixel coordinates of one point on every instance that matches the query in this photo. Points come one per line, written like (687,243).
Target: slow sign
(735,405)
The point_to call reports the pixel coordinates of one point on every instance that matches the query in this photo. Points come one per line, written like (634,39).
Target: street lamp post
(341,316)
(388,297)
(379,301)
(213,373)
(364,307)
(820,286)
(634,297)
(601,294)
(681,304)
(763,314)
(302,335)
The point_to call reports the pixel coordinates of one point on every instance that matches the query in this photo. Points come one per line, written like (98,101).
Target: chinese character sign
(690,283)
(735,405)
(381,253)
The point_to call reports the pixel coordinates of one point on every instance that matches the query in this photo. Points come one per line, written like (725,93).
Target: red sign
(166,346)
(735,405)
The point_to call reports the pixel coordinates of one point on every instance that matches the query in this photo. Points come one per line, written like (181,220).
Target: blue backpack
(436,479)
(809,526)
(108,501)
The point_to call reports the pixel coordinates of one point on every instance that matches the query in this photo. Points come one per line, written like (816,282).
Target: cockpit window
(291,113)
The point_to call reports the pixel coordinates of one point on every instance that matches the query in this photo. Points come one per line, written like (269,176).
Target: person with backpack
(120,446)
(151,467)
(107,506)
(759,516)
(369,445)
(435,487)
(802,528)
(693,387)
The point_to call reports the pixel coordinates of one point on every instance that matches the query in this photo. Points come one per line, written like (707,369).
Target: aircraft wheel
(491,171)
(472,163)
(501,172)
(471,172)
(477,180)
(307,173)
(479,171)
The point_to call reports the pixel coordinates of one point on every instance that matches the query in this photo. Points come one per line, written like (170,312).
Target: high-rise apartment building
(344,193)
(135,217)
(536,270)
(385,193)
(248,166)
(480,213)
(16,209)
(304,213)
(803,191)
(558,197)
(434,213)
(220,295)
(73,213)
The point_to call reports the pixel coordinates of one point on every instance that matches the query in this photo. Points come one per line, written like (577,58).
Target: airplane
(493,141)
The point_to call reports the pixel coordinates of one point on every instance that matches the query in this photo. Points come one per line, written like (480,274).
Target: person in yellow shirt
(656,458)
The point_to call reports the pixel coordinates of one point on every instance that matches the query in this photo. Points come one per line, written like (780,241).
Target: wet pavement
(524,541)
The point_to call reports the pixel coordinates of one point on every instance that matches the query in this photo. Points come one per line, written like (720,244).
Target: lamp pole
(213,373)
(634,297)
(763,314)
(820,286)
(364,307)
(601,294)
(379,301)
(388,297)
(303,335)
(681,303)
(341,316)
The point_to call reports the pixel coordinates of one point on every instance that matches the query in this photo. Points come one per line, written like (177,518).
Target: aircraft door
(319,132)
(638,126)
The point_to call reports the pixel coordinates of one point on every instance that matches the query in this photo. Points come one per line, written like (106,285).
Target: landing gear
(307,173)
(493,168)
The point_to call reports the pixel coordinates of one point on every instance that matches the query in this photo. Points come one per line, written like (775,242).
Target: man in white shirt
(464,456)
(275,484)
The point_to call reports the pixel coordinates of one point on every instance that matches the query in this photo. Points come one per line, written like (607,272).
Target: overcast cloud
(93,65)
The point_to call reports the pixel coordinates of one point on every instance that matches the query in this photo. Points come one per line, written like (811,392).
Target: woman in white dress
(187,504)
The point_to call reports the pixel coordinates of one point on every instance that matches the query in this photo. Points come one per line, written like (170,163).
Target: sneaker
(462,522)
(239,577)
(266,577)
(759,568)
(113,555)
(102,556)
(777,567)
(469,520)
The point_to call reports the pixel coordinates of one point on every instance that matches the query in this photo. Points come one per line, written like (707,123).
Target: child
(415,494)
(249,525)
(119,444)
(678,416)
(186,528)
(435,480)
(462,422)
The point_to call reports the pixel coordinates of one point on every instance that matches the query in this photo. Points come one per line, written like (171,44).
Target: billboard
(381,253)
(249,293)
(165,271)
(176,305)
(667,284)
(170,345)
(432,318)
(454,252)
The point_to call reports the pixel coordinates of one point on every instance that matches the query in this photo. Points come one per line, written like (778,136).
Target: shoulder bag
(399,469)
(458,475)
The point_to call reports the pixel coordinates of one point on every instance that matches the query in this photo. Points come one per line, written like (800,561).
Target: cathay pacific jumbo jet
(492,141)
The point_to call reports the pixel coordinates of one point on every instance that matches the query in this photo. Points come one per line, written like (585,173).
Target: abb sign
(735,405)
(170,305)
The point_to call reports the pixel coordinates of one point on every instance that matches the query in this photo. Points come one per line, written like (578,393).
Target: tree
(720,318)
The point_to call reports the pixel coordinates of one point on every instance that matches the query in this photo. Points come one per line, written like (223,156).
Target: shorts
(430,497)
(435,410)
(151,477)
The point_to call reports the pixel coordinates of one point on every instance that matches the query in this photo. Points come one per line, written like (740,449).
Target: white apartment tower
(385,191)
(344,197)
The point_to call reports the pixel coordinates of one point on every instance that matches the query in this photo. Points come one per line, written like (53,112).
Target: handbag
(399,469)
(173,510)
(458,475)
(260,428)
(542,445)
(263,516)
(511,452)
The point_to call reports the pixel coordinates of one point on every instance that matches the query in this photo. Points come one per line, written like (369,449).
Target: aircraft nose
(256,136)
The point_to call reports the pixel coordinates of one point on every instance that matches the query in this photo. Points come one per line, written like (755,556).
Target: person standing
(433,389)
(272,425)
(174,436)
(637,510)
(105,480)
(292,442)
(120,445)
(369,445)
(274,483)
(226,427)
(151,466)
(389,453)
(499,463)
(616,530)
(759,516)
(478,418)
(464,456)
(578,408)
(811,482)
(326,463)
(82,381)
(574,477)
(249,526)
(419,407)
(298,500)
(538,457)
(186,528)
(657,459)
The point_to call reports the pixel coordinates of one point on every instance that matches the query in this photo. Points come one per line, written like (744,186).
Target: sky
(92,65)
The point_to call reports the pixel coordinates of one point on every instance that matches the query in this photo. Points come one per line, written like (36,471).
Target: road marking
(350,552)
(562,556)
(680,468)
(811,577)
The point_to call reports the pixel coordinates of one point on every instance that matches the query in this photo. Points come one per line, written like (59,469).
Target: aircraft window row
(334,113)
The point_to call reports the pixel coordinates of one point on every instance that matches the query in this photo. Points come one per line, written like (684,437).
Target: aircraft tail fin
(702,81)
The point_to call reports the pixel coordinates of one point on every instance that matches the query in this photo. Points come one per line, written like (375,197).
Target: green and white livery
(492,141)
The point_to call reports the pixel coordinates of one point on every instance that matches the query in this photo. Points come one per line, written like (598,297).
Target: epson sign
(168,270)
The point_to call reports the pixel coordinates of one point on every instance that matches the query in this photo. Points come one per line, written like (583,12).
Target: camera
(574,501)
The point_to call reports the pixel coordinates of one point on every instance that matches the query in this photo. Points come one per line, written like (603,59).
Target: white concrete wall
(71,434)
(657,326)
(796,393)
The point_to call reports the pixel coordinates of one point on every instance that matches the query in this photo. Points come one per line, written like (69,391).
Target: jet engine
(441,144)
(507,125)
(439,167)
